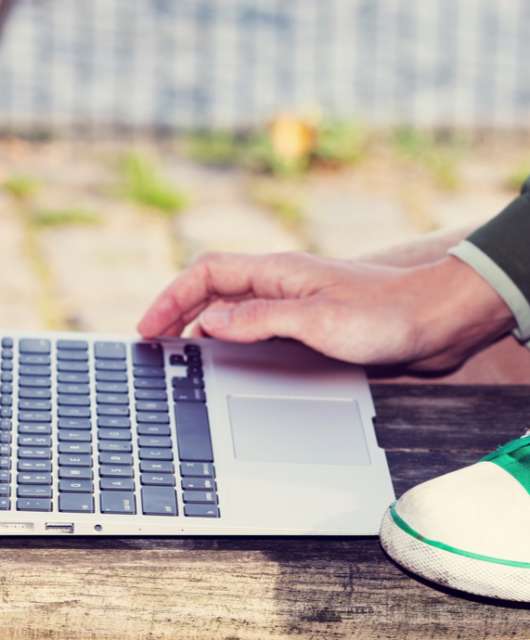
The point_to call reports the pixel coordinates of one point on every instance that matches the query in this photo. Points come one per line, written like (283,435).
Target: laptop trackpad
(297,430)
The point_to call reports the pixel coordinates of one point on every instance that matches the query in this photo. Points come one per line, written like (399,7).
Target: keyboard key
(6,412)
(117,502)
(34,370)
(154,466)
(7,365)
(72,356)
(34,504)
(73,412)
(76,486)
(116,484)
(7,388)
(193,432)
(34,405)
(34,394)
(5,490)
(196,469)
(34,465)
(158,479)
(74,436)
(41,383)
(201,484)
(73,389)
(115,471)
(112,410)
(30,345)
(199,497)
(147,354)
(5,477)
(5,463)
(75,473)
(148,372)
(74,401)
(108,422)
(177,359)
(189,395)
(113,398)
(6,400)
(150,394)
(7,343)
(191,382)
(75,460)
(5,424)
(201,511)
(191,349)
(72,378)
(35,416)
(153,430)
(68,366)
(149,383)
(111,365)
(6,376)
(34,441)
(34,453)
(154,442)
(111,376)
(107,457)
(117,447)
(72,345)
(5,504)
(35,429)
(34,478)
(156,418)
(75,447)
(152,407)
(76,502)
(72,423)
(156,454)
(113,434)
(159,501)
(112,387)
(5,437)
(34,491)
(35,359)
(110,350)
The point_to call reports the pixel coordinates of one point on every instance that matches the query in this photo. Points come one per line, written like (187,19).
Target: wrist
(457,307)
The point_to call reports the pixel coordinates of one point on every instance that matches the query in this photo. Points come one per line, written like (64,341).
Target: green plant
(439,159)
(219,148)
(340,142)
(144,185)
(64,217)
(21,187)
(258,155)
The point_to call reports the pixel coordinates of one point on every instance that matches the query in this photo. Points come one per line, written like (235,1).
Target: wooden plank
(250,588)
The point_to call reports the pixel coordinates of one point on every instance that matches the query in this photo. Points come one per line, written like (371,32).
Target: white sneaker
(469,529)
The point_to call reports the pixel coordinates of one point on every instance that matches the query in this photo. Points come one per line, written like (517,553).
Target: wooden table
(242,588)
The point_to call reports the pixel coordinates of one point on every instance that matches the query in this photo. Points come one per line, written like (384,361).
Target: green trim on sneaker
(398,520)
(514,457)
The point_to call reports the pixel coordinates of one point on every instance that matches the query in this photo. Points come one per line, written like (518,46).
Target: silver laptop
(102,435)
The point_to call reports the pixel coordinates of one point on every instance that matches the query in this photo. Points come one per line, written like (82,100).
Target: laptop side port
(59,527)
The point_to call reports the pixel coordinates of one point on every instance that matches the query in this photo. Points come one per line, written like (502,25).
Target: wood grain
(255,588)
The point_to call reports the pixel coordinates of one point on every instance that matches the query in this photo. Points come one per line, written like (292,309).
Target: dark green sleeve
(499,251)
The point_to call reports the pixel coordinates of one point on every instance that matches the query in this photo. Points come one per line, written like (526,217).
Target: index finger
(213,275)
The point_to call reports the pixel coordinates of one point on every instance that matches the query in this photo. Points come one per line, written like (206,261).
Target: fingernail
(216,317)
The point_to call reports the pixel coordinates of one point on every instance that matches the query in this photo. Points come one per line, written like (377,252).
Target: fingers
(215,275)
(253,320)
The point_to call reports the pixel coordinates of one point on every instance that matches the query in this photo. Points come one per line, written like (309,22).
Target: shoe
(469,529)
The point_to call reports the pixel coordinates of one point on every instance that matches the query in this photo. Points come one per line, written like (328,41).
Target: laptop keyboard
(96,427)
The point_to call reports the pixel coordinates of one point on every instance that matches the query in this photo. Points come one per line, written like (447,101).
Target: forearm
(423,250)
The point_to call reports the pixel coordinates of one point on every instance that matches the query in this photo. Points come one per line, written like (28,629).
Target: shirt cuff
(501,282)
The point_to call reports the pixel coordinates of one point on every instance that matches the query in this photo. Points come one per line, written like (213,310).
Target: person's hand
(431,317)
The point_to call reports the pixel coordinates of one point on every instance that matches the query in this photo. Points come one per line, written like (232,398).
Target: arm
(432,316)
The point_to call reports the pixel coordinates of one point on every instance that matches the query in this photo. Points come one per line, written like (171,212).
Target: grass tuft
(21,187)
(64,217)
(143,184)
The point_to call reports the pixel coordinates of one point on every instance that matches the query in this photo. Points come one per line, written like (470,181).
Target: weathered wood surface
(256,588)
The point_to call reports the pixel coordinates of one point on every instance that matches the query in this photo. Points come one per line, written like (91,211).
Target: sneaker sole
(452,567)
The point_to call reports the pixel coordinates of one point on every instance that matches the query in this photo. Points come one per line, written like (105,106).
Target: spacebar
(193,432)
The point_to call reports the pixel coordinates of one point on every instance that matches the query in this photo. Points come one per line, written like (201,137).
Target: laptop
(101,435)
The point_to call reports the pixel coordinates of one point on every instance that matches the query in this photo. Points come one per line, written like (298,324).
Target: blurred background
(136,134)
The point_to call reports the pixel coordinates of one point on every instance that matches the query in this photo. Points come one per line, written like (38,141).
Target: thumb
(252,320)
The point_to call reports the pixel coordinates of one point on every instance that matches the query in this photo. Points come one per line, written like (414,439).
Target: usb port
(60,527)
